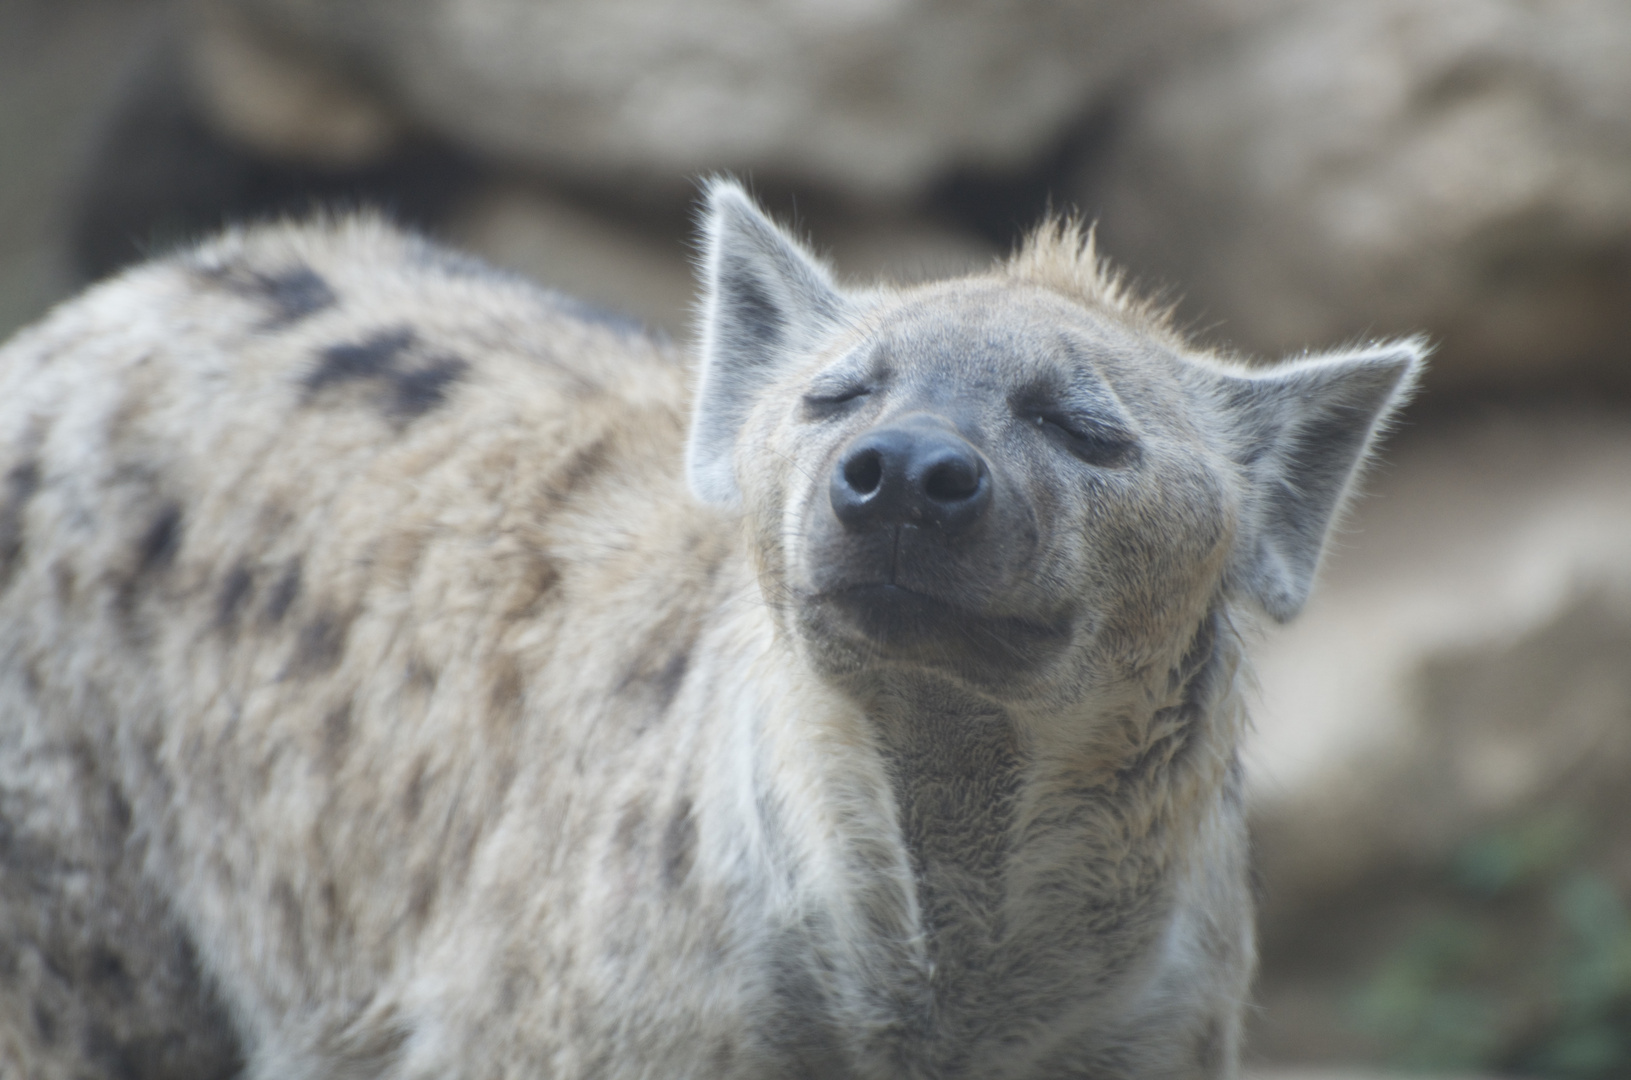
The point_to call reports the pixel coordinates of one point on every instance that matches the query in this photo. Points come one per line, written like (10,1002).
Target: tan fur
(375,700)
(1062,254)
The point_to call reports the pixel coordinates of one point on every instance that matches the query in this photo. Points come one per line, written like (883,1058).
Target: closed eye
(1092,443)
(822,404)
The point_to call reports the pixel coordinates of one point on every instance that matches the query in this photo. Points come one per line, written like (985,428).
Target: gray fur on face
(391,684)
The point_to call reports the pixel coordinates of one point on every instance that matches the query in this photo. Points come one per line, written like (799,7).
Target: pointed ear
(765,298)
(1305,429)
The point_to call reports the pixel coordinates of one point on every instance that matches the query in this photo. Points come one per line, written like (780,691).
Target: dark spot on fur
(331,905)
(504,697)
(679,845)
(105,970)
(413,796)
(518,985)
(158,545)
(21,483)
(295,294)
(656,676)
(630,824)
(369,359)
(534,581)
(230,600)
(409,392)
(63,582)
(290,295)
(119,813)
(283,592)
(419,675)
(667,681)
(45,1024)
(585,462)
(336,736)
(155,552)
(321,643)
(289,913)
(422,894)
(417,392)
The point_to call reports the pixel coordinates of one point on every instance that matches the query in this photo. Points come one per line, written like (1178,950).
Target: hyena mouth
(898,621)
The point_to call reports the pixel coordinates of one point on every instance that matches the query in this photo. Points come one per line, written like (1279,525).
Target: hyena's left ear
(1303,431)
(765,298)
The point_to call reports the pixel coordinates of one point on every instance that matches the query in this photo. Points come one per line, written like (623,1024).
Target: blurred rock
(875,98)
(593,256)
(56,60)
(1441,754)
(1466,659)
(238,119)
(1349,168)
(162,171)
(644,268)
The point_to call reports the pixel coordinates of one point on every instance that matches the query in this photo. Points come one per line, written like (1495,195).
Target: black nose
(916,471)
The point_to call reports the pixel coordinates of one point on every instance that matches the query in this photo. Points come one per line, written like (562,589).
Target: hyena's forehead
(996,340)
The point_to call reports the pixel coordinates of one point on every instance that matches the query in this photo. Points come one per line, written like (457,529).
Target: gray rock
(1440,754)
(646,272)
(1466,659)
(1369,167)
(872,97)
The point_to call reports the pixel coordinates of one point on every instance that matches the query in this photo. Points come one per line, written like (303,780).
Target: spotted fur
(390,686)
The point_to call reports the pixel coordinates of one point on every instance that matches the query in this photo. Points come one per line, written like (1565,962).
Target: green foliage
(1500,861)
(1524,969)
(1593,986)
(1423,1000)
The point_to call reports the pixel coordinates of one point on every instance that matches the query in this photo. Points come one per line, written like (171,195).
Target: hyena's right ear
(764,299)
(1304,430)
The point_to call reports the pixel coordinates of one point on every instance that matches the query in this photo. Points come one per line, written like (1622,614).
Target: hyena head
(1025,480)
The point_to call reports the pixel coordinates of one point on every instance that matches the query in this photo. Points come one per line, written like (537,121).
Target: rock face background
(1347,167)
(875,97)
(1443,747)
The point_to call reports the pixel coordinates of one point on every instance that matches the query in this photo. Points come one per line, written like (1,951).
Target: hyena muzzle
(390,686)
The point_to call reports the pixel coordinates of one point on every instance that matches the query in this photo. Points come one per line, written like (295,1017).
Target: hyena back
(388,687)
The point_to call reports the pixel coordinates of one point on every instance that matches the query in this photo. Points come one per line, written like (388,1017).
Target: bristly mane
(1062,254)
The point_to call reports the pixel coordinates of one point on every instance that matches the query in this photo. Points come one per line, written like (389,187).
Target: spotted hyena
(390,686)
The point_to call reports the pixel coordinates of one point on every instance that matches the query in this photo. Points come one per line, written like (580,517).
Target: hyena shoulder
(277,517)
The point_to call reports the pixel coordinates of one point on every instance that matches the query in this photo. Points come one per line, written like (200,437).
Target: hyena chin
(390,687)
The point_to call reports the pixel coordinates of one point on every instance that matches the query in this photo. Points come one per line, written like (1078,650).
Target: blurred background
(1443,747)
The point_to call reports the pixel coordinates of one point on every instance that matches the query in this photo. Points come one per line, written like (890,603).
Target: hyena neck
(955,772)
(970,914)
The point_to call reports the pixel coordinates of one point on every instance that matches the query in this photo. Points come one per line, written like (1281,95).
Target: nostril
(917,474)
(952,480)
(864,472)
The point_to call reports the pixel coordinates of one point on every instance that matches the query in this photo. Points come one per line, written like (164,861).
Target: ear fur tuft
(765,297)
(1305,430)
